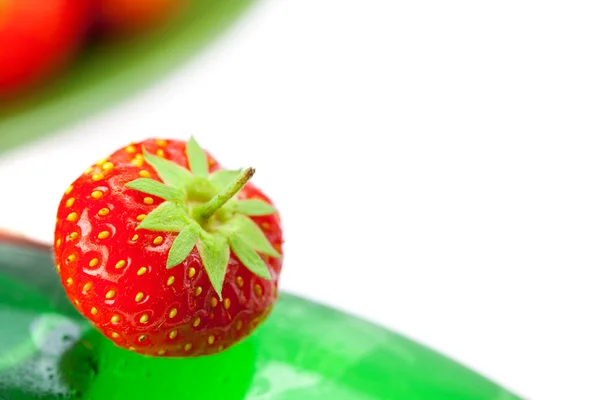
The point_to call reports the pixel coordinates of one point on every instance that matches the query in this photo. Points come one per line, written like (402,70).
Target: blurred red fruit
(37,37)
(133,16)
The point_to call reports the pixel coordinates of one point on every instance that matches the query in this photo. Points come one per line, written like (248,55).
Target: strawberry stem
(203,213)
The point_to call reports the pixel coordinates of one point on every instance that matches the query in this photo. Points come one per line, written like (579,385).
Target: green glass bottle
(303,351)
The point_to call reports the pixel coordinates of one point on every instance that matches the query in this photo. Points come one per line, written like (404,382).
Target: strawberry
(166,253)
(37,38)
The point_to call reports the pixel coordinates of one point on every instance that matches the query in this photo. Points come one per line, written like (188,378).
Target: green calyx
(205,211)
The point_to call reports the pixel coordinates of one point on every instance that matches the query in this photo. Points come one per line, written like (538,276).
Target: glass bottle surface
(303,351)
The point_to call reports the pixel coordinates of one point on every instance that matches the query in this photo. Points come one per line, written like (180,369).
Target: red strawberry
(37,38)
(167,254)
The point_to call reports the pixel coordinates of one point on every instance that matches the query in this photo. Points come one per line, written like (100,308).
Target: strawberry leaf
(205,212)
(222,178)
(167,217)
(248,256)
(199,189)
(251,233)
(197,159)
(254,207)
(214,252)
(157,189)
(172,174)
(183,245)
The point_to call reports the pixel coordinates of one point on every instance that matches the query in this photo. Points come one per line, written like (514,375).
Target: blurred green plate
(106,72)
(303,351)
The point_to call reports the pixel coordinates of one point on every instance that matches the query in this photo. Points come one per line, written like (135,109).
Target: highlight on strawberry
(166,253)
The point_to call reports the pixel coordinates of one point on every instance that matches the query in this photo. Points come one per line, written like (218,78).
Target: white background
(436,163)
